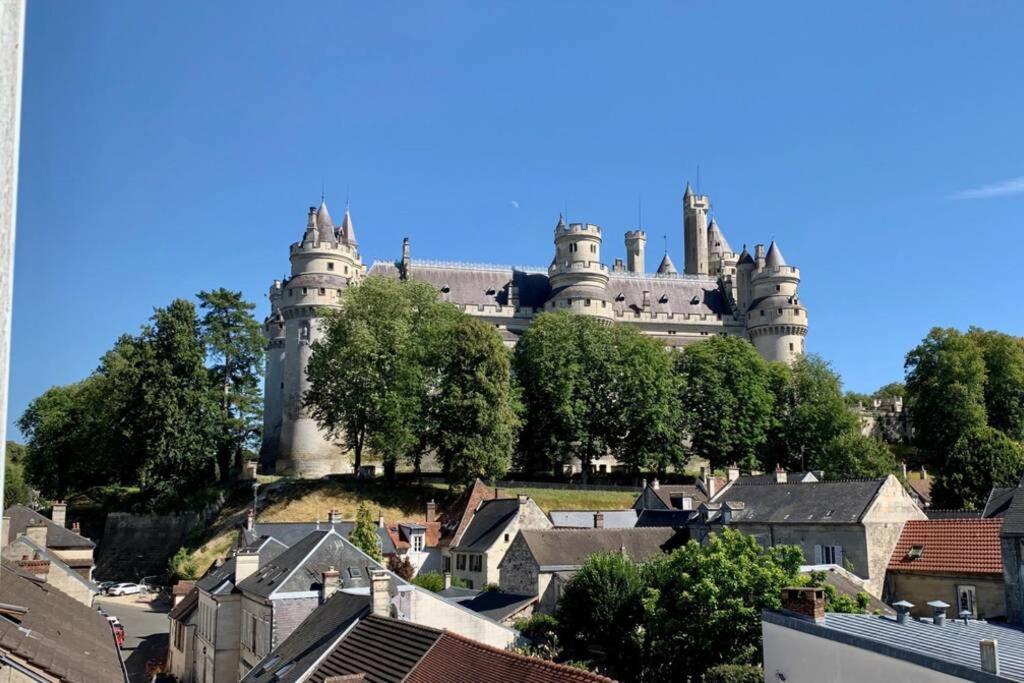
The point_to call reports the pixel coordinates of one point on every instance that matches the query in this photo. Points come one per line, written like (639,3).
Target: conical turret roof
(716,239)
(689,191)
(667,267)
(325,224)
(745,257)
(561,221)
(774,256)
(348,231)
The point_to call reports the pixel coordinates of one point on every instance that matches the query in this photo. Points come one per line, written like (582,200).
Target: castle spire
(561,221)
(667,267)
(324,223)
(774,256)
(689,191)
(348,231)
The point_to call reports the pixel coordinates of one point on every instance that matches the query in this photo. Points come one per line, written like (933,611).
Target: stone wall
(135,546)
(989,598)
(519,570)
(289,613)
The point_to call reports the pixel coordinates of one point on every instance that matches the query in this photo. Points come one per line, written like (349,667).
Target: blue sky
(175,147)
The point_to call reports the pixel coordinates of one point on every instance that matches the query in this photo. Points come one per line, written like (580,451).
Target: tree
(234,343)
(16,491)
(364,533)
(542,632)
(601,612)
(891,390)
(1003,356)
(431,581)
(834,600)
(981,459)
(945,391)
(472,407)
(727,400)
(734,673)
(706,609)
(401,566)
(851,455)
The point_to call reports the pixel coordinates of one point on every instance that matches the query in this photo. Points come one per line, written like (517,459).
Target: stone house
(956,561)
(73,549)
(30,553)
(477,556)
(457,516)
(855,524)
(181,643)
(658,496)
(419,542)
(1010,504)
(540,561)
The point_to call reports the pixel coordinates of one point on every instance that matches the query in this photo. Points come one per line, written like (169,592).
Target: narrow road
(145,625)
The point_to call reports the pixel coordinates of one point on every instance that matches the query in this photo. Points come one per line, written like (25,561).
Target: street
(145,625)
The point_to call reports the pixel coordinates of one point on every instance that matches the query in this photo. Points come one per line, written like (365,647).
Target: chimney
(246,565)
(902,610)
(938,611)
(431,510)
(250,520)
(59,515)
(406,270)
(380,596)
(643,483)
(759,256)
(522,500)
(924,473)
(808,603)
(447,580)
(36,532)
(5,532)
(76,527)
(733,472)
(513,294)
(598,520)
(989,656)
(654,484)
(903,469)
(780,475)
(333,516)
(380,518)
(329,583)
(710,483)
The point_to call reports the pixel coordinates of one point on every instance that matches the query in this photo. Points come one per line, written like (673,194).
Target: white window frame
(829,554)
(972,590)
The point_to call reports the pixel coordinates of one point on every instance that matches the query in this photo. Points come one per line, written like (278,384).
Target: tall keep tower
(695,232)
(636,241)
(323,263)
(579,281)
(776,320)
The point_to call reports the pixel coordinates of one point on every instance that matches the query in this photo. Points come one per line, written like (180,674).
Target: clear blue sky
(173,148)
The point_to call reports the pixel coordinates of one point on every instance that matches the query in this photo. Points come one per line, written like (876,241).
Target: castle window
(695,300)
(604,304)
(778,288)
(323,291)
(593,248)
(663,299)
(780,311)
(330,266)
(790,346)
(445,288)
(586,302)
(620,297)
(490,291)
(305,291)
(762,314)
(346,270)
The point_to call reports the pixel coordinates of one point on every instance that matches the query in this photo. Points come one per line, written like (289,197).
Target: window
(448,564)
(305,291)
(586,302)
(323,291)
(828,554)
(915,552)
(506,538)
(346,270)
(790,346)
(965,601)
(417,543)
(252,633)
(330,266)
(460,562)
(476,563)
(354,573)
(593,248)
(469,584)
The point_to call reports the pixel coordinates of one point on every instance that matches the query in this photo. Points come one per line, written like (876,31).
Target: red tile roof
(432,537)
(455,519)
(456,659)
(950,546)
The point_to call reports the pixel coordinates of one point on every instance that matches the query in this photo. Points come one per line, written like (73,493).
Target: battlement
(789,272)
(636,235)
(577,267)
(324,247)
(577,229)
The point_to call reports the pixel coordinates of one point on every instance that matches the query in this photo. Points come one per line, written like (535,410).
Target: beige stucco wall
(530,517)
(989,594)
(802,658)
(429,609)
(884,522)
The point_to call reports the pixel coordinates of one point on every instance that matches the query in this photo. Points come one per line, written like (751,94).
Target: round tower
(578,279)
(323,263)
(273,379)
(776,320)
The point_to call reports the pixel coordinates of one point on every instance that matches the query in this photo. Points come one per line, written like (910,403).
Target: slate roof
(826,502)
(584,519)
(183,609)
(1013,524)
(300,568)
(923,488)
(998,501)
(311,639)
(385,650)
(664,518)
(490,520)
(57,634)
(669,496)
(221,580)
(56,535)
(56,562)
(290,533)
(791,478)
(456,659)
(836,577)
(950,546)
(566,548)
(951,649)
(498,605)
(457,516)
(931,513)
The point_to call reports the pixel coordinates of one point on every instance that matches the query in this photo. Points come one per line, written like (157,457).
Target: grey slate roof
(1013,517)
(498,605)
(932,513)
(185,607)
(951,648)
(56,535)
(669,497)
(567,548)
(664,518)
(290,533)
(386,650)
(311,640)
(490,520)
(221,580)
(827,502)
(584,519)
(774,256)
(998,501)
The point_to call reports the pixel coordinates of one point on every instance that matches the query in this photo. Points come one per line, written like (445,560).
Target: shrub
(734,673)
(432,581)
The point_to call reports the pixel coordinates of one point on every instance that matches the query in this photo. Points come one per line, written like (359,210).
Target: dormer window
(915,552)
(620,297)
(417,543)
(695,300)
(445,288)
(663,299)
(490,291)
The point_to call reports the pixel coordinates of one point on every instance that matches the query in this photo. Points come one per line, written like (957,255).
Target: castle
(753,296)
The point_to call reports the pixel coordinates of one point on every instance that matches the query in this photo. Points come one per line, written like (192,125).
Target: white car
(124,589)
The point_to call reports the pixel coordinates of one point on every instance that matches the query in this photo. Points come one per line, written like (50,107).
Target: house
(290,533)
(456,518)
(183,616)
(359,638)
(540,561)
(493,524)
(854,524)
(215,653)
(45,635)
(419,542)
(658,496)
(29,552)
(954,560)
(920,486)
(73,549)
(802,642)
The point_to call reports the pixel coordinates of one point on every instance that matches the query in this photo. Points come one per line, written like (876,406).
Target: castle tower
(578,279)
(273,379)
(776,320)
(695,232)
(323,263)
(745,267)
(636,242)
(721,258)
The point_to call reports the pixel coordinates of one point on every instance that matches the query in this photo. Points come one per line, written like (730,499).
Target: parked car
(124,589)
(104,586)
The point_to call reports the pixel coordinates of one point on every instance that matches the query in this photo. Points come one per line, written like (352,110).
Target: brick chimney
(780,475)
(246,564)
(431,510)
(36,532)
(37,567)
(59,514)
(598,520)
(523,498)
(807,603)
(380,594)
(333,516)
(76,527)
(330,581)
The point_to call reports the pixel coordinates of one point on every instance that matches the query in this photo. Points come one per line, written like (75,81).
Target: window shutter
(817,554)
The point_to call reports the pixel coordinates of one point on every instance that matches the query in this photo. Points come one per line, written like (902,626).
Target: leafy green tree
(851,455)
(234,343)
(945,391)
(1004,380)
(706,609)
(472,408)
(601,612)
(891,390)
(981,459)
(734,673)
(834,600)
(182,566)
(364,533)
(16,491)
(854,399)
(542,631)
(727,400)
(431,581)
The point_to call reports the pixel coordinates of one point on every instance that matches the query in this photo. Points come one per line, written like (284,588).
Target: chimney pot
(431,510)
(522,499)
(598,520)
(902,610)
(805,602)
(655,484)
(333,516)
(250,520)
(938,611)
(989,656)
(447,580)
(380,595)
(733,472)
(924,473)
(329,584)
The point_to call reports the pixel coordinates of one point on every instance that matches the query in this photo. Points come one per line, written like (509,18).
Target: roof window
(354,573)
(445,288)
(915,552)
(695,300)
